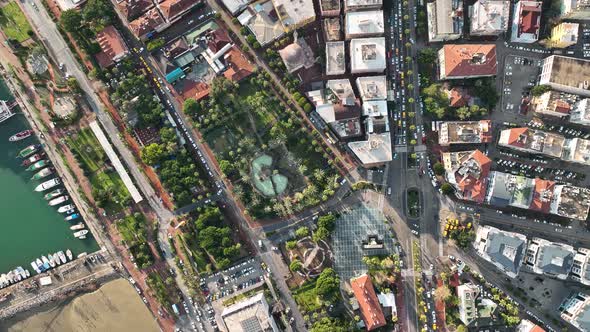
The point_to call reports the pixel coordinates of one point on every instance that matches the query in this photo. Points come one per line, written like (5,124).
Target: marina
(37,233)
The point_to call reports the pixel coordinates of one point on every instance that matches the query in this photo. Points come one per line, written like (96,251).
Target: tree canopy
(328,285)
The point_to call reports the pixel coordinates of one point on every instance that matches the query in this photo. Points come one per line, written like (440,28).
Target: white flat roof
(367,54)
(335,58)
(376,149)
(235,6)
(363,3)
(294,12)
(375,108)
(372,87)
(104,142)
(365,22)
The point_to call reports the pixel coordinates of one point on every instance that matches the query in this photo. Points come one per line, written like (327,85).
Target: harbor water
(30,227)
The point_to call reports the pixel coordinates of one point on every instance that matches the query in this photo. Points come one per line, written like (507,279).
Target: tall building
(458,61)
(489,17)
(563,35)
(527,21)
(467,294)
(251,314)
(580,112)
(575,9)
(367,55)
(566,74)
(445,20)
(575,309)
(364,24)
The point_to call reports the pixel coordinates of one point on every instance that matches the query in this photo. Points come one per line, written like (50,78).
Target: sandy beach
(113,307)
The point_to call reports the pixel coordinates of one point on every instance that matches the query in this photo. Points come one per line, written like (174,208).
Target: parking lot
(242,276)
(520,74)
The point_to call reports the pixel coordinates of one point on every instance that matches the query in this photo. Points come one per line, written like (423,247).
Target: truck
(260,244)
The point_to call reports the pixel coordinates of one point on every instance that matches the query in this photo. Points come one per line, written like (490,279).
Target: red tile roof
(466,60)
(369,305)
(112,47)
(515,133)
(146,23)
(131,9)
(530,19)
(239,67)
(542,195)
(486,131)
(217,39)
(172,8)
(474,188)
(458,97)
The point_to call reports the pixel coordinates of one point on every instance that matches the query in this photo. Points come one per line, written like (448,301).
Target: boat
(83,232)
(56,259)
(40,264)
(5,112)
(32,159)
(45,262)
(54,194)
(42,173)
(29,150)
(27,273)
(62,257)
(38,165)
(66,208)
(51,260)
(82,254)
(72,216)
(77,227)
(59,200)
(20,136)
(21,272)
(71,210)
(69,254)
(48,184)
(35,267)
(16,277)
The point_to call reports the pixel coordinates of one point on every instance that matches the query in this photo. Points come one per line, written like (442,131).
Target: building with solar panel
(250,315)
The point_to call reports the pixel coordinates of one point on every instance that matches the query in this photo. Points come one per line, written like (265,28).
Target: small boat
(48,184)
(40,264)
(82,254)
(62,257)
(56,259)
(72,217)
(42,173)
(83,232)
(51,260)
(69,254)
(32,159)
(21,272)
(38,165)
(27,273)
(59,200)
(16,277)
(35,267)
(54,194)
(20,136)
(66,208)
(45,262)
(29,150)
(77,227)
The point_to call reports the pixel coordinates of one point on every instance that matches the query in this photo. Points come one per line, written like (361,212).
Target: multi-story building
(367,55)
(532,141)
(329,8)
(335,58)
(580,112)
(445,20)
(464,132)
(294,13)
(370,308)
(468,172)
(467,294)
(527,21)
(251,314)
(575,309)
(566,74)
(352,5)
(549,258)
(553,103)
(148,24)
(581,267)
(459,61)
(577,150)
(363,24)
(489,17)
(563,35)
(575,9)
(503,249)
(372,87)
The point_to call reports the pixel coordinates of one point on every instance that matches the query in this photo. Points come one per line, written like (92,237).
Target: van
(389,191)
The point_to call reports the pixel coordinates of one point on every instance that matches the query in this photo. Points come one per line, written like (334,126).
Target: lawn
(306,297)
(13,23)
(108,183)
(413,203)
(87,149)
